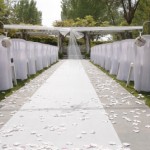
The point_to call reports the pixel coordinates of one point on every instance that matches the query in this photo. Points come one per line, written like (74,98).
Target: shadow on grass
(145,96)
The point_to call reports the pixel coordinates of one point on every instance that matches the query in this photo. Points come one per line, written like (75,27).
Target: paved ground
(12,104)
(65,113)
(129,115)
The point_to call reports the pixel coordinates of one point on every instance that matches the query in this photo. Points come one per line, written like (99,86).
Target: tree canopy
(79,12)
(129,8)
(20,11)
(26,12)
(143,12)
(2,11)
(87,21)
(116,12)
(72,9)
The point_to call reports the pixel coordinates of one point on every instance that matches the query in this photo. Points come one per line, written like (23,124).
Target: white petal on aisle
(64,113)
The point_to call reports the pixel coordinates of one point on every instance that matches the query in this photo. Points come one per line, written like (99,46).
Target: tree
(72,9)
(8,14)
(113,15)
(26,12)
(143,12)
(113,11)
(69,9)
(87,21)
(36,15)
(3,12)
(129,8)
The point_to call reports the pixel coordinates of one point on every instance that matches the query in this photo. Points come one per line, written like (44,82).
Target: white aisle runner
(65,114)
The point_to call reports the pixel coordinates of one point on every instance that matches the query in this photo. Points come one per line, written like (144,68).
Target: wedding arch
(74,33)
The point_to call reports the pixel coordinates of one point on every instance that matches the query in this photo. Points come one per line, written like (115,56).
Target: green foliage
(44,39)
(3,13)
(65,23)
(93,43)
(72,9)
(115,12)
(2,8)
(123,23)
(60,55)
(143,14)
(105,24)
(112,14)
(87,21)
(87,55)
(100,10)
(129,8)
(26,12)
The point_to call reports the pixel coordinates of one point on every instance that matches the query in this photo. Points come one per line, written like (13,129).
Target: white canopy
(65,30)
(75,33)
(108,29)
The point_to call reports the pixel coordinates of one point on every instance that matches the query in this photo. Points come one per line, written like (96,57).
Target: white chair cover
(102,55)
(92,55)
(44,55)
(5,69)
(38,56)
(20,58)
(142,67)
(127,56)
(54,52)
(57,54)
(49,55)
(116,53)
(97,54)
(31,57)
(25,56)
(108,56)
(146,36)
(11,58)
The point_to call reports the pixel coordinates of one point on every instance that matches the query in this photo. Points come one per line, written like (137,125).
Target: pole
(88,49)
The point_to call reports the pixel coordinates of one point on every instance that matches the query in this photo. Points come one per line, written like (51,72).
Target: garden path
(77,108)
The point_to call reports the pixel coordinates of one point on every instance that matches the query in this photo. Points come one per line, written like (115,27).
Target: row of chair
(125,60)
(22,59)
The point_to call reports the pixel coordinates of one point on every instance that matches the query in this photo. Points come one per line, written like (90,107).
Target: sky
(51,11)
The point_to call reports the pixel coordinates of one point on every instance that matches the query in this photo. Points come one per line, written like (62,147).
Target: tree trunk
(129,10)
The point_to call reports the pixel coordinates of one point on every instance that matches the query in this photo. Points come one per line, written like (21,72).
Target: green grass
(20,83)
(130,88)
